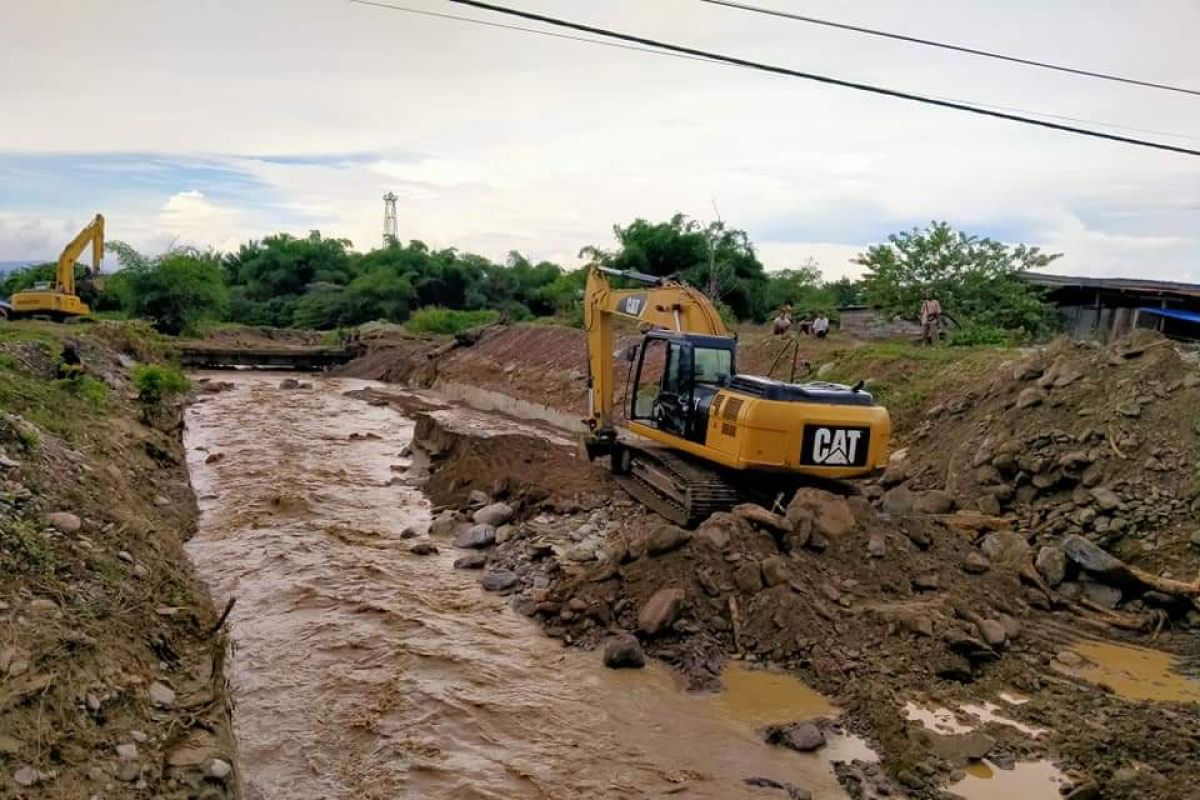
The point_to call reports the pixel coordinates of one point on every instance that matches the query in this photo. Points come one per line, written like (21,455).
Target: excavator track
(675,487)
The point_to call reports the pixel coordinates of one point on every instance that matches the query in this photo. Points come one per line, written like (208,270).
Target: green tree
(978,280)
(174,291)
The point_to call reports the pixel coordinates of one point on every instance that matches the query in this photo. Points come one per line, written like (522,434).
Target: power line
(552,34)
(602,43)
(862,87)
(957,48)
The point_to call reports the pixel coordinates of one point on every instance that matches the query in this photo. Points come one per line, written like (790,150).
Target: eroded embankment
(916,598)
(111,681)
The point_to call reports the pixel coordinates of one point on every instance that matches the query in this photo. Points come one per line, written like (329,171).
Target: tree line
(323,283)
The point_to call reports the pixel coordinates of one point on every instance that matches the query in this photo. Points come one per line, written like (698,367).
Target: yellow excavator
(60,301)
(700,436)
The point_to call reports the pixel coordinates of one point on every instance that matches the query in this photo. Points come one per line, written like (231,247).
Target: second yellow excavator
(60,301)
(702,437)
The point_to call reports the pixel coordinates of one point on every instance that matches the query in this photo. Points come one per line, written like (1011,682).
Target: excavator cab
(677,377)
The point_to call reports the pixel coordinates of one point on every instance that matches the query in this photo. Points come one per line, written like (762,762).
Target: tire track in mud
(362,670)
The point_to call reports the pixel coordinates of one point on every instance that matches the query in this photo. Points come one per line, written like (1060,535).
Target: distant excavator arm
(661,303)
(92,234)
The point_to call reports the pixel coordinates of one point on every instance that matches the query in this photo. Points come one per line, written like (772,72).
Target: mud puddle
(361,670)
(1030,780)
(1135,673)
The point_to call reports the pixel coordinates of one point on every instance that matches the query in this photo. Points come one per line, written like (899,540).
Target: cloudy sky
(210,122)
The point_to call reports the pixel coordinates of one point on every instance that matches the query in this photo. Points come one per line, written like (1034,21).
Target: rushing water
(360,670)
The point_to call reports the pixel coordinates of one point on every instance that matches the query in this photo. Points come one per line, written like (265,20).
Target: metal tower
(389,217)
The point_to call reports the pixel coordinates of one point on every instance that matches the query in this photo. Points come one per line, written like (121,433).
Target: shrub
(158,383)
(448,322)
(87,389)
(977,334)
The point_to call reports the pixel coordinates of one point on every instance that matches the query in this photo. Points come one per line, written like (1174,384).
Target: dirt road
(361,669)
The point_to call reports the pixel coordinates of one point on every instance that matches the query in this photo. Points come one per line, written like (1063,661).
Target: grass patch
(447,322)
(25,546)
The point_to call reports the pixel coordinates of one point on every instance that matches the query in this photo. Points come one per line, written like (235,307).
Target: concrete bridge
(198,355)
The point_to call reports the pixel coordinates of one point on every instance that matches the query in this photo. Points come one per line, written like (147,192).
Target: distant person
(931,319)
(820,326)
(783,320)
(805,326)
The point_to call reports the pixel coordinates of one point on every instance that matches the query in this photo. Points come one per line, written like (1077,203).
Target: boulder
(660,611)
(477,498)
(992,632)
(877,545)
(217,769)
(1102,594)
(161,695)
(1106,499)
(666,538)
(1092,557)
(1005,548)
(898,501)
(445,524)
(624,651)
(65,521)
(499,580)
(976,564)
(988,504)
(476,537)
(494,514)
(1051,564)
(927,582)
(830,513)
(803,737)
(424,549)
(935,501)
(471,561)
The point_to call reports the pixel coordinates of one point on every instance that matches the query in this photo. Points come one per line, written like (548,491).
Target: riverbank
(111,661)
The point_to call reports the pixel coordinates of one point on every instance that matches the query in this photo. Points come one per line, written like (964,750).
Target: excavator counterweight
(699,437)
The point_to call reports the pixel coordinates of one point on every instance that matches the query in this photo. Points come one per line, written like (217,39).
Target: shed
(1108,308)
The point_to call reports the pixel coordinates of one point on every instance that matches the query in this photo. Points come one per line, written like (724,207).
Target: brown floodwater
(1027,780)
(362,671)
(1136,673)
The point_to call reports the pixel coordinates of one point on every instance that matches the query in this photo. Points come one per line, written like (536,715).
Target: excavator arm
(660,303)
(92,234)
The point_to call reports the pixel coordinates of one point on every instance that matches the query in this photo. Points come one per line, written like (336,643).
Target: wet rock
(409,533)
(933,502)
(289,383)
(624,651)
(1051,564)
(774,571)
(898,501)
(666,538)
(424,549)
(748,578)
(65,521)
(660,611)
(988,504)
(445,524)
(1069,658)
(1085,790)
(214,458)
(218,769)
(471,561)
(792,791)
(976,564)
(1028,398)
(162,695)
(962,748)
(1106,499)
(476,537)
(804,737)
(1092,557)
(499,580)
(830,513)
(1005,548)
(495,514)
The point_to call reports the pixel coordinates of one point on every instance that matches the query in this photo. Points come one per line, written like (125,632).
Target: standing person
(820,326)
(931,319)
(783,320)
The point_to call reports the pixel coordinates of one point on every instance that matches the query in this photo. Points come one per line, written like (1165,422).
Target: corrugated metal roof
(1115,284)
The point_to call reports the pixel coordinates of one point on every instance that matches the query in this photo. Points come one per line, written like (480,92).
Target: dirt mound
(1076,439)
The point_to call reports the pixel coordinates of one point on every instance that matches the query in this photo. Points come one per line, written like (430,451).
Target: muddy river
(361,670)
